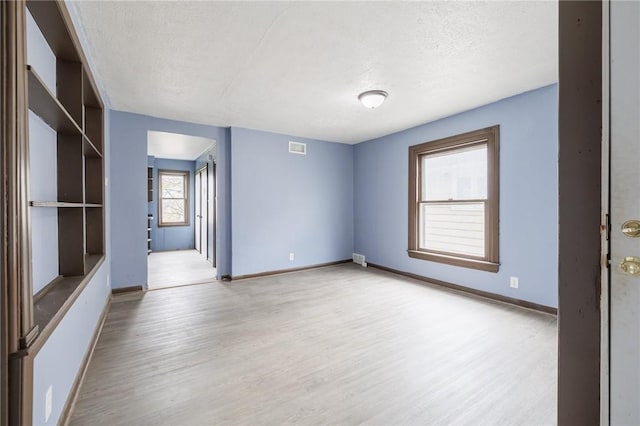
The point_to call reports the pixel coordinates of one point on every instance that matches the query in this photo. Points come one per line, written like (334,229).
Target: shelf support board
(45,105)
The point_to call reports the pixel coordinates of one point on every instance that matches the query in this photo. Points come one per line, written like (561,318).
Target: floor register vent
(359,259)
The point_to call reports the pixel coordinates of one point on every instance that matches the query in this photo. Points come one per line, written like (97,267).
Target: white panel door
(204,211)
(198,212)
(625,206)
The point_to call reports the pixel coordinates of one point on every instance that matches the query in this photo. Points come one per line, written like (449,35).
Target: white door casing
(204,211)
(625,205)
(198,213)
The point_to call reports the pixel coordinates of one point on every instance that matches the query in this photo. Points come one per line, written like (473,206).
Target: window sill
(482,265)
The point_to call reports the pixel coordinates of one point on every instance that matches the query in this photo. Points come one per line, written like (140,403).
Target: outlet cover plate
(514,282)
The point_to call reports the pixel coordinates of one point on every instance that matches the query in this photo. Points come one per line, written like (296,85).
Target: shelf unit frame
(75,113)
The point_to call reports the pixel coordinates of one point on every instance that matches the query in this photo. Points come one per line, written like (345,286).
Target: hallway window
(453,204)
(173,203)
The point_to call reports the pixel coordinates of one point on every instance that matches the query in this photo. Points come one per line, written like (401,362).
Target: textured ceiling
(298,67)
(176,146)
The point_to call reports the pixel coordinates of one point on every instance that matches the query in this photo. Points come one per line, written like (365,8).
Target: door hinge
(606,228)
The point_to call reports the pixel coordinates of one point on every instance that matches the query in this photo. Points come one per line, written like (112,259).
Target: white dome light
(373,98)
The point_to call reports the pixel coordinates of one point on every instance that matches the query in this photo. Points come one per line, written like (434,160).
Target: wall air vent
(297,148)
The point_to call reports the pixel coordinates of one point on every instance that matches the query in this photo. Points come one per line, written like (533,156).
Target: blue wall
(60,359)
(129,191)
(286,203)
(528,197)
(172,237)
(44,221)
(43,167)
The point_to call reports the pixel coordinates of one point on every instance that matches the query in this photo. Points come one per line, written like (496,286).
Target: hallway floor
(176,268)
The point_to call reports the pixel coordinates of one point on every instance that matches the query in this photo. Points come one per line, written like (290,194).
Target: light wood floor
(337,345)
(174,268)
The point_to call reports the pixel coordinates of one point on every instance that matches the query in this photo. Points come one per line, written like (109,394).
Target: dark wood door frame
(4,353)
(16,287)
(580,163)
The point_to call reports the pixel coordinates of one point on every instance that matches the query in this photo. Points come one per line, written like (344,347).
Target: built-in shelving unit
(150,184)
(149,199)
(75,113)
(149,219)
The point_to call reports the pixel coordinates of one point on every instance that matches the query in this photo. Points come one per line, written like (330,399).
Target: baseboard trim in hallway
(286,271)
(457,287)
(130,289)
(82,372)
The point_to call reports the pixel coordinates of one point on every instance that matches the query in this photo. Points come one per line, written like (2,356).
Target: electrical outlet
(48,404)
(514,282)
(291,257)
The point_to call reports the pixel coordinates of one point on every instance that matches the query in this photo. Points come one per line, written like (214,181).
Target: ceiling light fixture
(373,98)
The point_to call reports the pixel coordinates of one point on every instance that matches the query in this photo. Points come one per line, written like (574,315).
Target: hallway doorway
(181,210)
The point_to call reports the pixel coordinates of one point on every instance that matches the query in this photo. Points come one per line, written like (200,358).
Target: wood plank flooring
(336,345)
(180,267)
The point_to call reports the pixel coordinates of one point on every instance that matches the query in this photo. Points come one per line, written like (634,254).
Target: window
(173,202)
(453,200)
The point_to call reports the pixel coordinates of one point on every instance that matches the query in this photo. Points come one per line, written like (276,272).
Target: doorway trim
(605,248)
(202,172)
(18,329)
(580,208)
(213,214)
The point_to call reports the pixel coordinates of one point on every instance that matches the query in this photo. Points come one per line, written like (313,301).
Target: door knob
(630,265)
(631,228)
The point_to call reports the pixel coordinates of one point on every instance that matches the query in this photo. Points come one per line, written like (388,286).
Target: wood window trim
(491,137)
(187,219)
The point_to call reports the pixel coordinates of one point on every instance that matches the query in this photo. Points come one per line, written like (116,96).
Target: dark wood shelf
(90,262)
(62,204)
(51,22)
(49,304)
(46,106)
(55,204)
(90,149)
(149,219)
(50,307)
